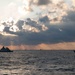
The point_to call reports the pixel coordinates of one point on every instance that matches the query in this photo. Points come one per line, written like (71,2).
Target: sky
(37,24)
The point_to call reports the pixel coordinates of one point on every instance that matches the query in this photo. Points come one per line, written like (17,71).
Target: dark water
(37,63)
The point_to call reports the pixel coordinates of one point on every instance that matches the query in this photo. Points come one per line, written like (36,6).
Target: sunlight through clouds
(37,22)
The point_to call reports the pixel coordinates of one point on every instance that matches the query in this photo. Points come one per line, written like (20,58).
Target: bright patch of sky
(7,7)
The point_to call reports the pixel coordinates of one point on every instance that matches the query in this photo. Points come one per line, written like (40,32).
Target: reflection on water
(37,63)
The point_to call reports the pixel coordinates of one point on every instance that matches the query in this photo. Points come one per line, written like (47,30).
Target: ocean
(37,62)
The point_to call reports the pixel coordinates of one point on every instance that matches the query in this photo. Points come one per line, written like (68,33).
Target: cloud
(23,11)
(55,25)
(2,28)
(73,2)
(20,23)
(52,35)
(55,34)
(36,2)
(41,2)
(14,28)
(27,5)
(70,17)
(44,19)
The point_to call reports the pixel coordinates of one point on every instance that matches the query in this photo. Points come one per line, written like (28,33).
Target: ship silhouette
(74,51)
(3,49)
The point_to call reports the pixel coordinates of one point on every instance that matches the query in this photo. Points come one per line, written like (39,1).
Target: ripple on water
(37,63)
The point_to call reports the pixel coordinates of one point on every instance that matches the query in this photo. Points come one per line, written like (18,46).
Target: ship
(5,49)
(74,51)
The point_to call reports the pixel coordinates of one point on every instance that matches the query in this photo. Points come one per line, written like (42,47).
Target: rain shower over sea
(37,62)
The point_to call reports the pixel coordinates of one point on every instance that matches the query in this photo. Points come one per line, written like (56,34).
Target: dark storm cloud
(55,34)
(32,3)
(70,17)
(31,22)
(42,2)
(20,23)
(44,19)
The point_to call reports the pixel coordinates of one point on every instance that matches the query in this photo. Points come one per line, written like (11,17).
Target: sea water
(38,62)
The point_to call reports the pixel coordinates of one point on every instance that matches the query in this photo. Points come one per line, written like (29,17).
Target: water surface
(37,63)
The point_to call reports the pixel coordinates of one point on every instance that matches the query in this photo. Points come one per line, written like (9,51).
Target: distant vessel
(3,49)
(74,51)
(40,49)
